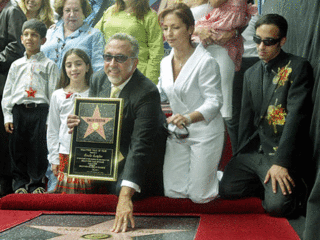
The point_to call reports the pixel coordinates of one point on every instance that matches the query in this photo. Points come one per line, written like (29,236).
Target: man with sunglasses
(143,138)
(274,123)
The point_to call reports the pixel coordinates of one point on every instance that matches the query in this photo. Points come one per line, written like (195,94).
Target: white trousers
(190,168)
(227,69)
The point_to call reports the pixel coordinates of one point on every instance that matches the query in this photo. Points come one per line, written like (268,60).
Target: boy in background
(26,96)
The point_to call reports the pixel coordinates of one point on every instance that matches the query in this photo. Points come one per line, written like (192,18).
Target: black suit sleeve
(246,124)
(144,108)
(11,22)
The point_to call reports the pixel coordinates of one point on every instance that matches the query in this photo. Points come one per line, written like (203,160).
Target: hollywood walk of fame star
(96,123)
(101,230)
(31,92)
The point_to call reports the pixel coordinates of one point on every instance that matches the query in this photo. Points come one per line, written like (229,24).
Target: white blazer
(197,88)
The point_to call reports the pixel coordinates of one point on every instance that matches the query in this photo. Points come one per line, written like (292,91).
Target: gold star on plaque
(96,123)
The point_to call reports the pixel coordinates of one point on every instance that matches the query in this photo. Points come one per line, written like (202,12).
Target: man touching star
(143,137)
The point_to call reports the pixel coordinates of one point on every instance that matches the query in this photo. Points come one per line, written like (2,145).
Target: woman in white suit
(190,79)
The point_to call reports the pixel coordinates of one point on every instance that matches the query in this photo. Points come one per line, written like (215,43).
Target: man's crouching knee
(283,207)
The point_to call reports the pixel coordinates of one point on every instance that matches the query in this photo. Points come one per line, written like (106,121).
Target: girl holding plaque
(74,82)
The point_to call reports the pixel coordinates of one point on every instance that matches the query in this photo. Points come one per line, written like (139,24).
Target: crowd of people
(211,80)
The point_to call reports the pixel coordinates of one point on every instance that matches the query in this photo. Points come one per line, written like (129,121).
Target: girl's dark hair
(64,79)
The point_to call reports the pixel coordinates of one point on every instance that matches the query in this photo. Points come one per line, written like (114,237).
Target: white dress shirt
(38,73)
(58,138)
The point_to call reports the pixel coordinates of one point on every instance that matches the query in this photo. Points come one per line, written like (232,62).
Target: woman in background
(190,79)
(216,17)
(72,32)
(39,9)
(135,18)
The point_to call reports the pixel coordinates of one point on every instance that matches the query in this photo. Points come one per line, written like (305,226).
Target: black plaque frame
(94,150)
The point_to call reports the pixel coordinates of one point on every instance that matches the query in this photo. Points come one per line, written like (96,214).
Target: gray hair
(126,37)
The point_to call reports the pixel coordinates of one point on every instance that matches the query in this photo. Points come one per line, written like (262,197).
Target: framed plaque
(94,151)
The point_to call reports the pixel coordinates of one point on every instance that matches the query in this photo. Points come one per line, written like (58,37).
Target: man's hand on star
(124,212)
(280,175)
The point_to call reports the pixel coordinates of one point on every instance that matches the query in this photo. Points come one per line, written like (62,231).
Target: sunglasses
(119,58)
(266,42)
(178,135)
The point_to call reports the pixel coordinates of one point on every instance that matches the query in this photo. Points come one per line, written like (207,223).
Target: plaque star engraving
(100,231)
(31,92)
(96,123)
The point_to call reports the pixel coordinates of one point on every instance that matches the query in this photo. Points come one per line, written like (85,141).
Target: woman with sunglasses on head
(135,18)
(39,9)
(190,78)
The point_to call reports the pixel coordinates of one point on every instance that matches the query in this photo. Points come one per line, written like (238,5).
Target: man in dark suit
(11,21)
(274,122)
(143,138)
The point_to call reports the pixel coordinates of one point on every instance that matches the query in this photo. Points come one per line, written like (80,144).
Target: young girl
(75,74)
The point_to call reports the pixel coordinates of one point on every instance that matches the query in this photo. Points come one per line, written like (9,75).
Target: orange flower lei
(282,76)
(276,116)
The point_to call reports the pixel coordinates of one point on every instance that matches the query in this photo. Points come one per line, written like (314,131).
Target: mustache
(112,68)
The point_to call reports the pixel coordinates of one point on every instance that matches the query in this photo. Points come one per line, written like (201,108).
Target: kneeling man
(143,137)
(274,125)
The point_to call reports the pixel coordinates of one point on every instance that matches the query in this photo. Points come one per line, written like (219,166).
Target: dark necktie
(266,80)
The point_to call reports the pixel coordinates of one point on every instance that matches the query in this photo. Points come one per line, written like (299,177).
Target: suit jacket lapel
(190,65)
(125,92)
(274,64)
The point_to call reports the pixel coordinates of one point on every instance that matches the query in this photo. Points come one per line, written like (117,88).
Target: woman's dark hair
(181,10)
(85,5)
(64,79)
(274,19)
(140,7)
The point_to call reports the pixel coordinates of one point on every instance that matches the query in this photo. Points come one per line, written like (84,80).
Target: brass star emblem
(96,123)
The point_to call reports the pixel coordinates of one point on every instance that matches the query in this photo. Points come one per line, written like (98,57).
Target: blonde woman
(39,9)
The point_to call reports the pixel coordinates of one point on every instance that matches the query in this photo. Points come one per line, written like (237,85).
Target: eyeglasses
(119,58)
(178,135)
(266,42)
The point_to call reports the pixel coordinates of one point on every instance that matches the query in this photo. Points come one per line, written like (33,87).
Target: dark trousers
(28,146)
(244,177)
(233,123)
